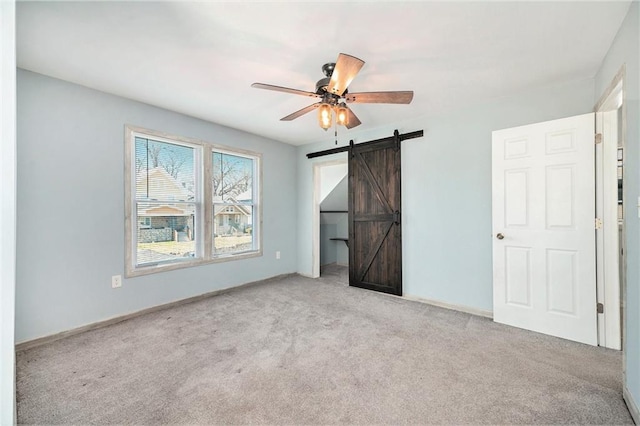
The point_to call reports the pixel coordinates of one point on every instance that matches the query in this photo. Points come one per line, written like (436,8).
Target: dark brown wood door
(375,232)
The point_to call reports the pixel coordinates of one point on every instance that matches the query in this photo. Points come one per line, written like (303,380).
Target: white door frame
(610,280)
(317,189)
(7,211)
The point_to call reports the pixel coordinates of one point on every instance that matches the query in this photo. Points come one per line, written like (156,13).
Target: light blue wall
(71,208)
(447,194)
(328,248)
(624,51)
(342,230)
(446,191)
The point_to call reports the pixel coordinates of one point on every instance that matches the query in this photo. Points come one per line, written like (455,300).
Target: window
(188,202)
(233,192)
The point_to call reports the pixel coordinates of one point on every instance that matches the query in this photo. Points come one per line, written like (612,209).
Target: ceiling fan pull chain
(335,126)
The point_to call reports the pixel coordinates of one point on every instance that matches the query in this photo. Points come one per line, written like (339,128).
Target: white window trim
(204,203)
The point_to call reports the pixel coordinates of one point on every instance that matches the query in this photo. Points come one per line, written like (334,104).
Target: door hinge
(598,223)
(600,308)
(598,138)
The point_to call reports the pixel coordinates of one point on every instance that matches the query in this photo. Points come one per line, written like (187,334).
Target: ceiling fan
(334,95)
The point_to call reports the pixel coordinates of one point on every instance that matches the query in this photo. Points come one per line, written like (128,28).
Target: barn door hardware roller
(396,140)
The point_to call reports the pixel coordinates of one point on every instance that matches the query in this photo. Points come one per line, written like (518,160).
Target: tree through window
(233,202)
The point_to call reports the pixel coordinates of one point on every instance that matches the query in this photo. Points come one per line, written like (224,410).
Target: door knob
(500,236)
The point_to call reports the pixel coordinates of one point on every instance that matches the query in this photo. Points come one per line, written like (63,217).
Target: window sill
(153,269)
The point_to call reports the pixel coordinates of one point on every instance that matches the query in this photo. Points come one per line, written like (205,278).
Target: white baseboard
(306,275)
(28,344)
(631,405)
(452,306)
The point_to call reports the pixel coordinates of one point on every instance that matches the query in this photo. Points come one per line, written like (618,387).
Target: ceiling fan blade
(380,97)
(300,112)
(353,121)
(347,67)
(284,89)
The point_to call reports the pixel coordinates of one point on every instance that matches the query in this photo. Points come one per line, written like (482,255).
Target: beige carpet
(303,351)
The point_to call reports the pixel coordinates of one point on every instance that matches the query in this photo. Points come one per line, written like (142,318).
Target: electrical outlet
(116,281)
(278,255)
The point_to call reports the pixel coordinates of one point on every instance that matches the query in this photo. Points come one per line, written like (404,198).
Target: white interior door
(544,269)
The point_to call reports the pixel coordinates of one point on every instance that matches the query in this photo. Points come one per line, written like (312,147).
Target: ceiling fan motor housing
(329,98)
(323,83)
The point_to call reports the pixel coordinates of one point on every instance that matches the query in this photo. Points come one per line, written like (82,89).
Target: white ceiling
(200,58)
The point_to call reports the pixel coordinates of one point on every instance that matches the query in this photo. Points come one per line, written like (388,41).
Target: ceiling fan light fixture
(342,114)
(324,115)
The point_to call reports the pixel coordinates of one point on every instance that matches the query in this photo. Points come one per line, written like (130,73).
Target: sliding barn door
(375,233)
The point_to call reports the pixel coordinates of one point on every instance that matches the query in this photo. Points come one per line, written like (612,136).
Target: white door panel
(543,205)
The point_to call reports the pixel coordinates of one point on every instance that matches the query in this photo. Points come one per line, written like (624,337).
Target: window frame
(204,219)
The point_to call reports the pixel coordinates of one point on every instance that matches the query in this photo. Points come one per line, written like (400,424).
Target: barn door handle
(396,217)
